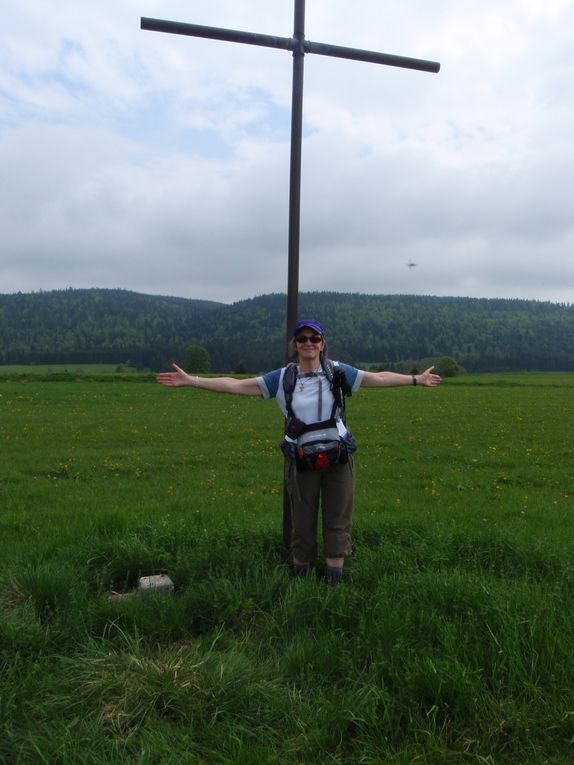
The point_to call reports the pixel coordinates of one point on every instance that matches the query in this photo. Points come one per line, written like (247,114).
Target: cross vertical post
(295,170)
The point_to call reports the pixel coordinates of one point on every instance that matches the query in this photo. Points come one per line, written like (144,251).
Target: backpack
(318,445)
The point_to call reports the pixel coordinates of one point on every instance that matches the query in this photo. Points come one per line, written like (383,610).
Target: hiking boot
(301,571)
(334,576)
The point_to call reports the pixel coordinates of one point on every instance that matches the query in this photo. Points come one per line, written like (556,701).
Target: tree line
(392,331)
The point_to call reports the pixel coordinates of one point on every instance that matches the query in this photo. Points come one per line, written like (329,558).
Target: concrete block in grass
(159,583)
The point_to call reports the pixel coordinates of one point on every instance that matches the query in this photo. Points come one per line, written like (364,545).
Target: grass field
(451,640)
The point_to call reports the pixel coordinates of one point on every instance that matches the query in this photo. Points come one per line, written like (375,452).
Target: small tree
(196,359)
(448,367)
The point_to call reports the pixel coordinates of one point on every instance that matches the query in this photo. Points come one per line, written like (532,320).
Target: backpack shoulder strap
(329,367)
(339,386)
(289,382)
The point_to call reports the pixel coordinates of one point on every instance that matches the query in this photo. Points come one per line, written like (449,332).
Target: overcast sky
(160,163)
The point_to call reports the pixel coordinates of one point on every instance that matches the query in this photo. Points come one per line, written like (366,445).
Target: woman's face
(309,345)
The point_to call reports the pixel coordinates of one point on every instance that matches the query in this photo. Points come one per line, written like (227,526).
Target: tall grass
(450,642)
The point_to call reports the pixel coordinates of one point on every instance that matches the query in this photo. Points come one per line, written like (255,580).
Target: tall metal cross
(299,46)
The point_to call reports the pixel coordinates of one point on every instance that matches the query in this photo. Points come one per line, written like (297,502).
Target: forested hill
(97,325)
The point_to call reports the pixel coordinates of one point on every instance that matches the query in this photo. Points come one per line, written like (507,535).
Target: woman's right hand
(177,379)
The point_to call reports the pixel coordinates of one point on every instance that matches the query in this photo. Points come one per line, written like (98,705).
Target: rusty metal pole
(295,168)
(294,219)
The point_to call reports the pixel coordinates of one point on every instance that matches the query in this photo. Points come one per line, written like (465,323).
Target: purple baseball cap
(316,326)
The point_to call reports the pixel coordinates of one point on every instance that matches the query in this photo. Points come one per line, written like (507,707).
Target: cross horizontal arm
(216,33)
(287,43)
(372,57)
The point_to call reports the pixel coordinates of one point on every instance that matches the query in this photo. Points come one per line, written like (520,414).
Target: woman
(318,457)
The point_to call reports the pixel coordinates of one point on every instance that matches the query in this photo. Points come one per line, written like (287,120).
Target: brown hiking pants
(334,489)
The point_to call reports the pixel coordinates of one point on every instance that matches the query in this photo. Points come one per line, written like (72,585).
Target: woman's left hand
(428,378)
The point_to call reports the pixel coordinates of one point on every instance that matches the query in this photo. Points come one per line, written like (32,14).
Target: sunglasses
(315,339)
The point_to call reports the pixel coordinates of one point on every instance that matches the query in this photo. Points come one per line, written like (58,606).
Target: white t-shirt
(312,397)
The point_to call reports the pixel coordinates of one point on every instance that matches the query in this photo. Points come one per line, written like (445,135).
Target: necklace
(303,379)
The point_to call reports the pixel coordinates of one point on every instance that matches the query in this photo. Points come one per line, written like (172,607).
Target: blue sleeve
(354,376)
(269,383)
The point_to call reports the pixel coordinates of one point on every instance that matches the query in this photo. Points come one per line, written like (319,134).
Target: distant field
(450,642)
(57,368)
(546,379)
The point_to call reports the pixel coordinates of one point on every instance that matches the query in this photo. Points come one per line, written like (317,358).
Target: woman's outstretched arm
(427,379)
(180,379)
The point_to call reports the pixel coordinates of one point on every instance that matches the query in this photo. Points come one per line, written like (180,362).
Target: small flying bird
(410,264)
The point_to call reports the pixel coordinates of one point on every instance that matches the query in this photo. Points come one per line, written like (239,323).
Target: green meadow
(451,640)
